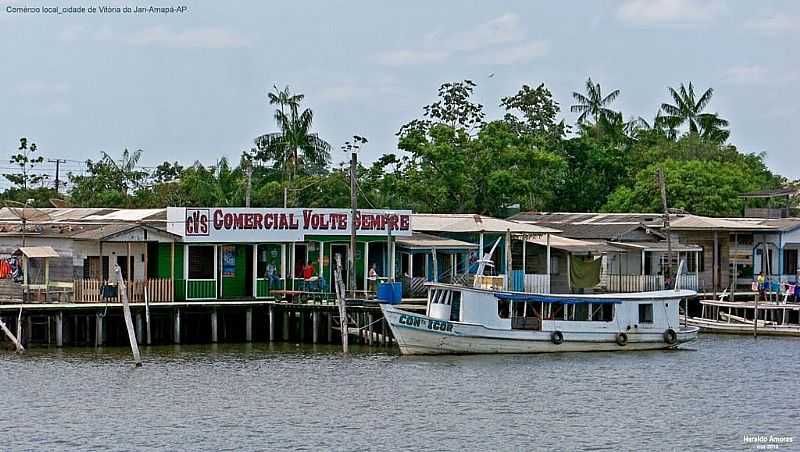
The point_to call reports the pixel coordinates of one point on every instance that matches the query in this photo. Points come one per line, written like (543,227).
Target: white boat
(462,319)
(731,317)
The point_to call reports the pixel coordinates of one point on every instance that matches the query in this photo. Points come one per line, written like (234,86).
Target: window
(645,313)
(553,265)
(579,312)
(602,312)
(201,262)
(789,262)
(532,309)
(503,309)
(455,307)
(518,309)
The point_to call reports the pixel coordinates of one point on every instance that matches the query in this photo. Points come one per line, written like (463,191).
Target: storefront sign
(212,224)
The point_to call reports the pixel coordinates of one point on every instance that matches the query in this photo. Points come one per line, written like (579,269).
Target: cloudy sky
(193,86)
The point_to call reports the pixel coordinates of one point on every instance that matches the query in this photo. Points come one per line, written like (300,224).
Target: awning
(558,300)
(574,245)
(36,251)
(421,241)
(657,246)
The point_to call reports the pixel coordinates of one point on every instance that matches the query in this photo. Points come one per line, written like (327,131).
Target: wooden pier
(193,322)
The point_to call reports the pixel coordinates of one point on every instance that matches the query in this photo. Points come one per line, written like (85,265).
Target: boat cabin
(522,311)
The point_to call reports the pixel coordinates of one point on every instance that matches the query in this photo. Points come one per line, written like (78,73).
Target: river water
(287,396)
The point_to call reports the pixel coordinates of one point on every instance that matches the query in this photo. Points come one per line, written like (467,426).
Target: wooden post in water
(214,326)
(177,335)
(98,330)
(147,309)
(20,335)
(340,297)
(271,323)
(139,328)
(285,329)
(369,328)
(16,341)
(60,329)
(315,326)
(329,318)
(126,311)
(248,325)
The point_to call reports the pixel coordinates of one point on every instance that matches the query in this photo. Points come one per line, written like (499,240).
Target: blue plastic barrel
(390,293)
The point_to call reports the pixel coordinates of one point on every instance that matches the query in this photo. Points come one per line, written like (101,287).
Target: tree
(167,172)
(127,174)
(539,113)
(26,159)
(688,110)
(593,102)
(702,187)
(295,147)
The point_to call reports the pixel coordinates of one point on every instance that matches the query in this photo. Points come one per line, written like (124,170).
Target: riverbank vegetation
(452,158)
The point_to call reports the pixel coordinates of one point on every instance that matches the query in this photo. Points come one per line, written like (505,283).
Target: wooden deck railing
(91,290)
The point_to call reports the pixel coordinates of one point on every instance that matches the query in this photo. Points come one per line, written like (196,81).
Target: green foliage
(26,159)
(703,187)
(455,160)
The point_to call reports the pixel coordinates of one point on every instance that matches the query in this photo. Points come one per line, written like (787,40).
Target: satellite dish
(26,213)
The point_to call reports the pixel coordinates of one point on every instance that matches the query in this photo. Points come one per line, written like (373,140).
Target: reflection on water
(259,396)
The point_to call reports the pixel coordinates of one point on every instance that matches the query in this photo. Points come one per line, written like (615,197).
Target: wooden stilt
(214,327)
(59,329)
(139,328)
(13,339)
(285,329)
(329,317)
(248,327)
(126,310)
(271,323)
(315,327)
(383,332)
(301,319)
(98,331)
(369,329)
(177,335)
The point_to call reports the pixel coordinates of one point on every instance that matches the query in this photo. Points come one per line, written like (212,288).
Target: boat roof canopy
(558,300)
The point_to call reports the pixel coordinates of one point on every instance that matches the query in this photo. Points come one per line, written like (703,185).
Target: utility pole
(249,172)
(663,186)
(58,163)
(351,266)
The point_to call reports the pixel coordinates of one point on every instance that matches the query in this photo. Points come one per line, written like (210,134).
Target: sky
(191,86)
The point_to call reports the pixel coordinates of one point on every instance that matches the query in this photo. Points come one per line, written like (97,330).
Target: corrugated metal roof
(123,215)
(698,223)
(575,246)
(657,246)
(37,251)
(428,241)
(472,223)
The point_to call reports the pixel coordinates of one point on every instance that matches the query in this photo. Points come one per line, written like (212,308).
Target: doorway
(340,249)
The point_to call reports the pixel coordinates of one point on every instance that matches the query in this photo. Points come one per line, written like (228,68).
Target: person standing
(372,277)
(761,281)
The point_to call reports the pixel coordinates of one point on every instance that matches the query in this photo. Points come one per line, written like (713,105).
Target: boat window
(602,312)
(455,309)
(503,309)
(518,309)
(579,312)
(532,309)
(645,313)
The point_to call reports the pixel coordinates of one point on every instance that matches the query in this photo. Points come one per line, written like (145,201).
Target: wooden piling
(315,326)
(330,327)
(139,328)
(16,341)
(285,329)
(177,336)
(214,326)
(98,331)
(59,329)
(301,319)
(272,323)
(248,325)
(369,328)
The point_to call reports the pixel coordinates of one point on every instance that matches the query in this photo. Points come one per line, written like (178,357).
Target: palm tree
(712,128)
(687,109)
(295,145)
(127,175)
(593,103)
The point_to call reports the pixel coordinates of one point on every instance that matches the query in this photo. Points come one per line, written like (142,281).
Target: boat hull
(422,335)
(711,326)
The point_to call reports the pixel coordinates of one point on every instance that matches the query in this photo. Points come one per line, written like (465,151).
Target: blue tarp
(558,300)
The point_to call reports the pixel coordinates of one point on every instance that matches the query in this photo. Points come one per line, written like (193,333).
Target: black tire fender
(556,337)
(622,339)
(670,336)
